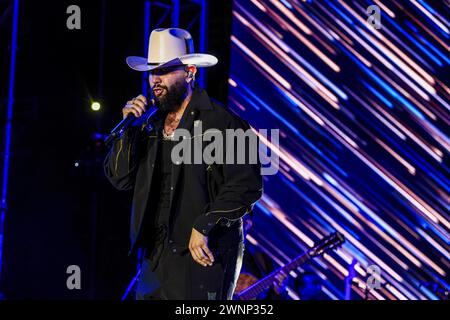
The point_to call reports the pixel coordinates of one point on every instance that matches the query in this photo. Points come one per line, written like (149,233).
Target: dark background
(60,214)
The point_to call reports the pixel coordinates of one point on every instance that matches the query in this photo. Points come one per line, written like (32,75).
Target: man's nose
(154,79)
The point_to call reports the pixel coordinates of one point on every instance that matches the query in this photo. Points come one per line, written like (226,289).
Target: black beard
(173,98)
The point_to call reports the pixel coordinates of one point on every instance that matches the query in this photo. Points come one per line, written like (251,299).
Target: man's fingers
(136,106)
(129,110)
(142,98)
(277,280)
(141,109)
(199,249)
(203,257)
(139,103)
(195,254)
(135,110)
(200,257)
(208,253)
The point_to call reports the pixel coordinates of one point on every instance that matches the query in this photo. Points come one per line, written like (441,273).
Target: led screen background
(363,119)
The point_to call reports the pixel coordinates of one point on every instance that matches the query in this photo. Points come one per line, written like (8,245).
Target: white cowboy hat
(170,47)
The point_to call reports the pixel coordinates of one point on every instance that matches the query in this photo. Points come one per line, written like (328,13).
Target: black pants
(178,277)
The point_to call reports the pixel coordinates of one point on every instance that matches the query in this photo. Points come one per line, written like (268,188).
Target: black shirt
(159,201)
(164,180)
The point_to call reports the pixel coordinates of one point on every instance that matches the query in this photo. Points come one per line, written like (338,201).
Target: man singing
(186,216)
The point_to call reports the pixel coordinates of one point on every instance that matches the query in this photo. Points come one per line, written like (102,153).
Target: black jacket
(207,197)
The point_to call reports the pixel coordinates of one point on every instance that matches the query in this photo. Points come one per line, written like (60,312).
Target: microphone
(132,121)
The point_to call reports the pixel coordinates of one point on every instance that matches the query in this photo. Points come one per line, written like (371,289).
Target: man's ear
(191,71)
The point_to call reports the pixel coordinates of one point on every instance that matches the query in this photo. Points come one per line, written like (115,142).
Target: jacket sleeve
(241,187)
(121,162)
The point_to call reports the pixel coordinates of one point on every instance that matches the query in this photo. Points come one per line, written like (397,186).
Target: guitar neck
(266,282)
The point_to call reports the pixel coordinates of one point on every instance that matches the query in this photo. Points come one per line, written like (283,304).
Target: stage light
(95,106)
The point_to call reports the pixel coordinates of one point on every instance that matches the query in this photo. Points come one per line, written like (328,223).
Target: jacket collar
(200,100)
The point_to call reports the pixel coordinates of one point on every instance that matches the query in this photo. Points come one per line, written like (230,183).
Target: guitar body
(244,281)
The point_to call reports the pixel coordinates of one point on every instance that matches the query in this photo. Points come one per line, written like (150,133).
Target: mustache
(158,87)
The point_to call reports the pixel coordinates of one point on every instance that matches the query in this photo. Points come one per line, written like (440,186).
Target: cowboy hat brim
(201,60)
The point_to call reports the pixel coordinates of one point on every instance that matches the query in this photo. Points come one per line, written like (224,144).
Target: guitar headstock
(330,242)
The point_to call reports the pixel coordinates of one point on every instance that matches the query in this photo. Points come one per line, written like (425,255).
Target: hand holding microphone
(136,106)
(132,113)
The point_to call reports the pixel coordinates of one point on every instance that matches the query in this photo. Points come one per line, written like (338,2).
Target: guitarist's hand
(280,283)
(198,245)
